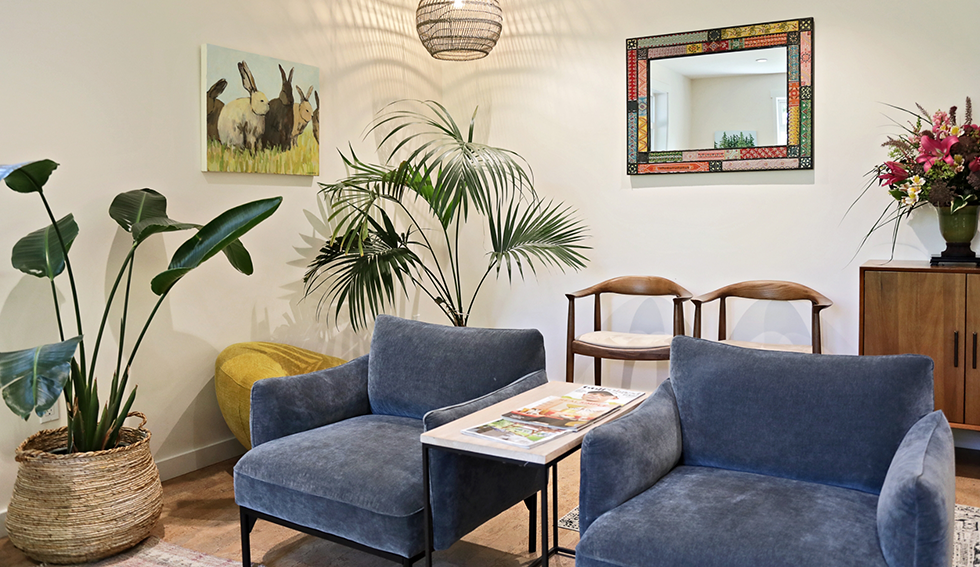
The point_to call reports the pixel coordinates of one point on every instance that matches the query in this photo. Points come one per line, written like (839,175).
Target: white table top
(449,436)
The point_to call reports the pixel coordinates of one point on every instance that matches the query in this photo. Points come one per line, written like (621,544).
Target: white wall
(742,102)
(110,90)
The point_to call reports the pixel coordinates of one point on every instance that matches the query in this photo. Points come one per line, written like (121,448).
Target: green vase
(958,230)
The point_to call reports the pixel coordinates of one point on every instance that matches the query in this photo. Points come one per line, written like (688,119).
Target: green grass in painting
(302,159)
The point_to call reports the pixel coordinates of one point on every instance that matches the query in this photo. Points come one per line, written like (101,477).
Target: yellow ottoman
(242,364)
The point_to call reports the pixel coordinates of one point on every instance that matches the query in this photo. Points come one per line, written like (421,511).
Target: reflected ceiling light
(459,30)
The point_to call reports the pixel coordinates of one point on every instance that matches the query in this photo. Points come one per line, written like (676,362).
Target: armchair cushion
(360,478)
(709,517)
(417,367)
(623,458)
(798,416)
(915,510)
(291,404)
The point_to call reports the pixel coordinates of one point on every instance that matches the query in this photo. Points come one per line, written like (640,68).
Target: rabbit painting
(244,131)
(280,119)
(302,114)
(214,107)
(242,121)
(316,118)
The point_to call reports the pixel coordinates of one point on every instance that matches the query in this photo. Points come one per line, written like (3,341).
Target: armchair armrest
(290,404)
(916,504)
(623,458)
(442,416)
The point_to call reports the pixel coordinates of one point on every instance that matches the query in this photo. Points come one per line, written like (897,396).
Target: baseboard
(199,458)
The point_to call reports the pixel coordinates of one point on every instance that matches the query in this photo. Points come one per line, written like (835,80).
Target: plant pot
(80,507)
(958,230)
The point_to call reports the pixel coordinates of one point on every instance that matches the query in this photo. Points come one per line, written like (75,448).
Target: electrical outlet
(52,414)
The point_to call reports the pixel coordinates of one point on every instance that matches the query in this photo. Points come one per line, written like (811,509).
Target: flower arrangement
(936,160)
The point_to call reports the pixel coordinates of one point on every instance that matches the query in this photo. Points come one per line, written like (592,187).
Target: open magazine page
(515,433)
(575,409)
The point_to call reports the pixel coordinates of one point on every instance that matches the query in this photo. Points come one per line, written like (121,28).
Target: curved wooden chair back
(623,285)
(771,290)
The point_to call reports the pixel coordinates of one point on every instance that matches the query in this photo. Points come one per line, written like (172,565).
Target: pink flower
(931,150)
(940,121)
(975,164)
(896,175)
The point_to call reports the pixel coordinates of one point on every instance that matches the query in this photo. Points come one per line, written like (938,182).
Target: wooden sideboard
(912,307)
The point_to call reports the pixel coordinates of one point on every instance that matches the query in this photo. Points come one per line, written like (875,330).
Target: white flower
(912,195)
(917,182)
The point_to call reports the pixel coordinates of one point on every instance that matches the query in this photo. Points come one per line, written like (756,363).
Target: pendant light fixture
(459,30)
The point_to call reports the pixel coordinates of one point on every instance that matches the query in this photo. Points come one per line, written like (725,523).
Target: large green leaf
(131,207)
(213,237)
(33,379)
(28,177)
(239,257)
(39,253)
(148,227)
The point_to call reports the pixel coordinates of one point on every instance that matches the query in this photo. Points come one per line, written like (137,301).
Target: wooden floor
(199,513)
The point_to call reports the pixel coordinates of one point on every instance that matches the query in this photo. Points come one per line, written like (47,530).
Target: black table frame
(546,551)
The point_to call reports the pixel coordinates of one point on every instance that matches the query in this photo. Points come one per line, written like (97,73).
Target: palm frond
(364,280)
(536,232)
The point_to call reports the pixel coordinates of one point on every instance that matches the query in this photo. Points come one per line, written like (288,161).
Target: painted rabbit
(302,114)
(279,121)
(316,118)
(214,108)
(242,120)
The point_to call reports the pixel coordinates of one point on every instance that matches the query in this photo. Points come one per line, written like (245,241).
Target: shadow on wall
(368,52)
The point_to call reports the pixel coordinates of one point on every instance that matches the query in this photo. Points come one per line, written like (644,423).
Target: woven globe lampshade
(459,30)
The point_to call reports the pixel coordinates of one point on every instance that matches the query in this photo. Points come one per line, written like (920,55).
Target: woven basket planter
(82,507)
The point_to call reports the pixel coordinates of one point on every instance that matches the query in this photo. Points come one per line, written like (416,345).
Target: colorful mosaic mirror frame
(796,35)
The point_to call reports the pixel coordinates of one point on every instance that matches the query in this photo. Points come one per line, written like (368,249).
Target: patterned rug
(154,552)
(966,546)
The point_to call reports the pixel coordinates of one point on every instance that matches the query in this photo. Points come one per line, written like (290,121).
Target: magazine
(575,409)
(515,433)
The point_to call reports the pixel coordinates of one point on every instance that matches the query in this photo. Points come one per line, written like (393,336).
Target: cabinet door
(921,313)
(972,390)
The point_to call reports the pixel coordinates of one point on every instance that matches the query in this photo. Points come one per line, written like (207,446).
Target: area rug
(966,545)
(154,552)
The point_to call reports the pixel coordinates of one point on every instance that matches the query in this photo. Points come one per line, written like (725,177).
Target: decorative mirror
(728,99)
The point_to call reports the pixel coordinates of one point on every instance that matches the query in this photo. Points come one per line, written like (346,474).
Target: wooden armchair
(622,346)
(765,290)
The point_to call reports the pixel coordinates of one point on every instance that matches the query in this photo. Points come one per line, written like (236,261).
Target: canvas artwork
(259,114)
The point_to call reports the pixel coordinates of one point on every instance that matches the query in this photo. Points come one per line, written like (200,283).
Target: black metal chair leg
(532,520)
(247,523)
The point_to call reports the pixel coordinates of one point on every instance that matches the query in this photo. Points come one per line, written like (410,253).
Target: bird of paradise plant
(936,160)
(32,379)
(449,176)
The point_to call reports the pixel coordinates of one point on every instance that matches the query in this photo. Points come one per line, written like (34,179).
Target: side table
(547,455)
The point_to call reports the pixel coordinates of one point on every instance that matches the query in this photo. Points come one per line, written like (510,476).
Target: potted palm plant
(91,489)
(446,176)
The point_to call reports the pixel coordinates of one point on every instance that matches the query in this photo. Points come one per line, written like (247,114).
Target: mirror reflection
(718,100)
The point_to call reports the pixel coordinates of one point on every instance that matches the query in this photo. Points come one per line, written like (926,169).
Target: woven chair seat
(625,340)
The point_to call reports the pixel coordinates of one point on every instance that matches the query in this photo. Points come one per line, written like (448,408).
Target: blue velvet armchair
(337,453)
(754,458)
